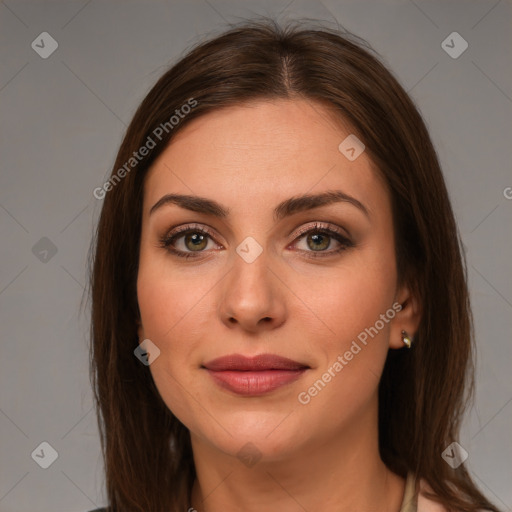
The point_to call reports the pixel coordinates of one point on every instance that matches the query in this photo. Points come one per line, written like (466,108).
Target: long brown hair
(423,391)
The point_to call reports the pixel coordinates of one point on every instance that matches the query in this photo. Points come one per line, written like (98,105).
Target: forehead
(263,151)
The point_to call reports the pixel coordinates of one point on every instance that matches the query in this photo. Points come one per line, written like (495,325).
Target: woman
(278,290)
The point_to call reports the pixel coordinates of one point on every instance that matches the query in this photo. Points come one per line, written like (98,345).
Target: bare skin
(321,453)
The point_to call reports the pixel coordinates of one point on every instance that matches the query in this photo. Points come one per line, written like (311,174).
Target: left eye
(317,240)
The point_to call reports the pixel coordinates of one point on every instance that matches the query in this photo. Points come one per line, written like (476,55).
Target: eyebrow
(284,209)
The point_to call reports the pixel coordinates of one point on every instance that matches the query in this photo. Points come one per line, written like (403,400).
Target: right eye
(192,240)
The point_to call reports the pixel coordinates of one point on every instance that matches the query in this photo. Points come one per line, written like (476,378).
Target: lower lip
(254,383)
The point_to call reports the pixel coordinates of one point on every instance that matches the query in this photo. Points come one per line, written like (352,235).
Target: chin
(249,435)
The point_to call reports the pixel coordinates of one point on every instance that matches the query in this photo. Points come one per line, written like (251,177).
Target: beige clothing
(417,502)
(409,501)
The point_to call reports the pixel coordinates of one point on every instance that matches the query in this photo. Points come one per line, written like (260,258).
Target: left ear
(407,319)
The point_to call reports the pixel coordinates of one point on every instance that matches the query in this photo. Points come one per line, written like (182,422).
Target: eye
(191,241)
(187,240)
(318,239)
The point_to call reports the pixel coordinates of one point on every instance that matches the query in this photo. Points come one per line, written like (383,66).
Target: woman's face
(317,286)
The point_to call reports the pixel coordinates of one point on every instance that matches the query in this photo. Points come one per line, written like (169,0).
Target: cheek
(353,356)
(173,315)
(355,344)
(351,297)
(168,298)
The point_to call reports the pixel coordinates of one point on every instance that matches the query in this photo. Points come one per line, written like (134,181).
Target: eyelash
(167,240)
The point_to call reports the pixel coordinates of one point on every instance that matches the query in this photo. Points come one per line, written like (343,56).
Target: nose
(252,296)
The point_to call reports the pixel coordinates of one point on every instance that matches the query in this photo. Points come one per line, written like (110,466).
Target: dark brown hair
(423,391)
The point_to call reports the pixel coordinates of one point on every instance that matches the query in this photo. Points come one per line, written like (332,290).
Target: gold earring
(407,341)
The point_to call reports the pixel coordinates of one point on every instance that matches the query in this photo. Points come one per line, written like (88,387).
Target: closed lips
(263,362)
(254,376)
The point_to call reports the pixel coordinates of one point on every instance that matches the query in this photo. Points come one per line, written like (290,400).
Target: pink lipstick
(253,376)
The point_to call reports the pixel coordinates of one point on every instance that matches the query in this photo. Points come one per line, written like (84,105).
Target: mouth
(254,376)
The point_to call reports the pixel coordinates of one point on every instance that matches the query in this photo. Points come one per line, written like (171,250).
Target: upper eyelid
(322,226)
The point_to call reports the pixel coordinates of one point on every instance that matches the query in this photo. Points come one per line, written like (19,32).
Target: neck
(341,473)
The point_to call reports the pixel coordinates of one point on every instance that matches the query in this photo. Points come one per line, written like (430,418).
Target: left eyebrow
(284,209)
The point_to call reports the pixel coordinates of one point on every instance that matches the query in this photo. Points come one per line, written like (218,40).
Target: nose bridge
(250,292)
(250,276)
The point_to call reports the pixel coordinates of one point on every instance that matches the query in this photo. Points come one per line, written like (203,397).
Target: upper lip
(262,362)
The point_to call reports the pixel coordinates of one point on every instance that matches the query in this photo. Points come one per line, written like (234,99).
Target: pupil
(196,239)
(319,241)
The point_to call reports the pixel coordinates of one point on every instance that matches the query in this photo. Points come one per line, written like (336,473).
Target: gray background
(62,121)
